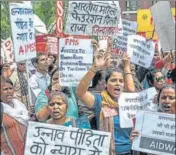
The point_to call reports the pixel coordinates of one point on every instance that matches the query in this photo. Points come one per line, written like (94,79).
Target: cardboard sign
(157,133)
(140,50)
(22,24)
(76,58)
(8,51)
(92,18)
(164,24)
(48,139)
(131,103)
(59,18)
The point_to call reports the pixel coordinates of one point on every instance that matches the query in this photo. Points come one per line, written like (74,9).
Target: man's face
(42,64)
(21,67)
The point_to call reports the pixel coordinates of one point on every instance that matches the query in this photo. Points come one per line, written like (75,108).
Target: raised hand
(95,44)
(134,134)
(56,87)
(126,61)
(102,59)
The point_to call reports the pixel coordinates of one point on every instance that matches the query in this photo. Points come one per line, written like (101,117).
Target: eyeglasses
(160,79)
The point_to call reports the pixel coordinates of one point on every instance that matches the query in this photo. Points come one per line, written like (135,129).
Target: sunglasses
(160,79)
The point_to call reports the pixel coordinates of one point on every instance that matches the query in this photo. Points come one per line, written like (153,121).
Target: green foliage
(46,10)
(5,20)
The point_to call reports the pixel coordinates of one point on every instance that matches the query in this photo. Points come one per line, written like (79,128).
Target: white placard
(130,103)
(49,139)
(52,43)
(140,50)
(129,27)
(119,44)
(164,24)
(22,25)
(157,133)
(8,52)
(76,58)
(92,18)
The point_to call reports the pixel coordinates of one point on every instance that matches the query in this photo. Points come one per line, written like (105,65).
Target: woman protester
(108,99)
(42,102)
(57,107)
(14,122)
(154,78)
(166,104)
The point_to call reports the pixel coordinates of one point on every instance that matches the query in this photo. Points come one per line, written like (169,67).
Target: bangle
(85,81)
(92,70)
(128,73)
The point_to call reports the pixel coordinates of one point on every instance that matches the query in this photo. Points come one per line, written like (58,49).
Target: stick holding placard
(29,89)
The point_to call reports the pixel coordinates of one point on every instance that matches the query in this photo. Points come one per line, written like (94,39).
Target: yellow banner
(144,20)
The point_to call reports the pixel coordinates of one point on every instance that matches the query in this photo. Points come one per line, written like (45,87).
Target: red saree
(12,136)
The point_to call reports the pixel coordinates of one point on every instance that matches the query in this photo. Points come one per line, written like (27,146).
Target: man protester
(40,80)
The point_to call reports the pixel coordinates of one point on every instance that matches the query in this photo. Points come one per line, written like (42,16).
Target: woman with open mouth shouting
(14,122)
(57,107)
(166,104)
(105,105)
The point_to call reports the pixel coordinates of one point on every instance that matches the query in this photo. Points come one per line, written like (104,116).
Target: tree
(5,20)
(46,11)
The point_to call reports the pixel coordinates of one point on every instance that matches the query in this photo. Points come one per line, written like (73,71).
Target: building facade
(129,7)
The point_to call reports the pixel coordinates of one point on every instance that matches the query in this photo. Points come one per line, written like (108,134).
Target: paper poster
(140,50)
(22,25)
(92,18)
(119,44)
(76,58)
(157,133)
(129,27)
(164,25)
(52,45)
(49,139)
(130,103)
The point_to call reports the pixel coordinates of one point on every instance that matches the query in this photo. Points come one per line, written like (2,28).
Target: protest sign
(164,24)
(144,20)
(92,18)
(157,133)
(59,18)
(76,57)
(52,45)
(119,44)
(129,27)
(48,139)
(8,51)
(130,103)
(22,25)
(140,50)
(41,43)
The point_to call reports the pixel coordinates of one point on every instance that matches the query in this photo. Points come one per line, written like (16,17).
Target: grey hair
(62,95)
(165,87)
